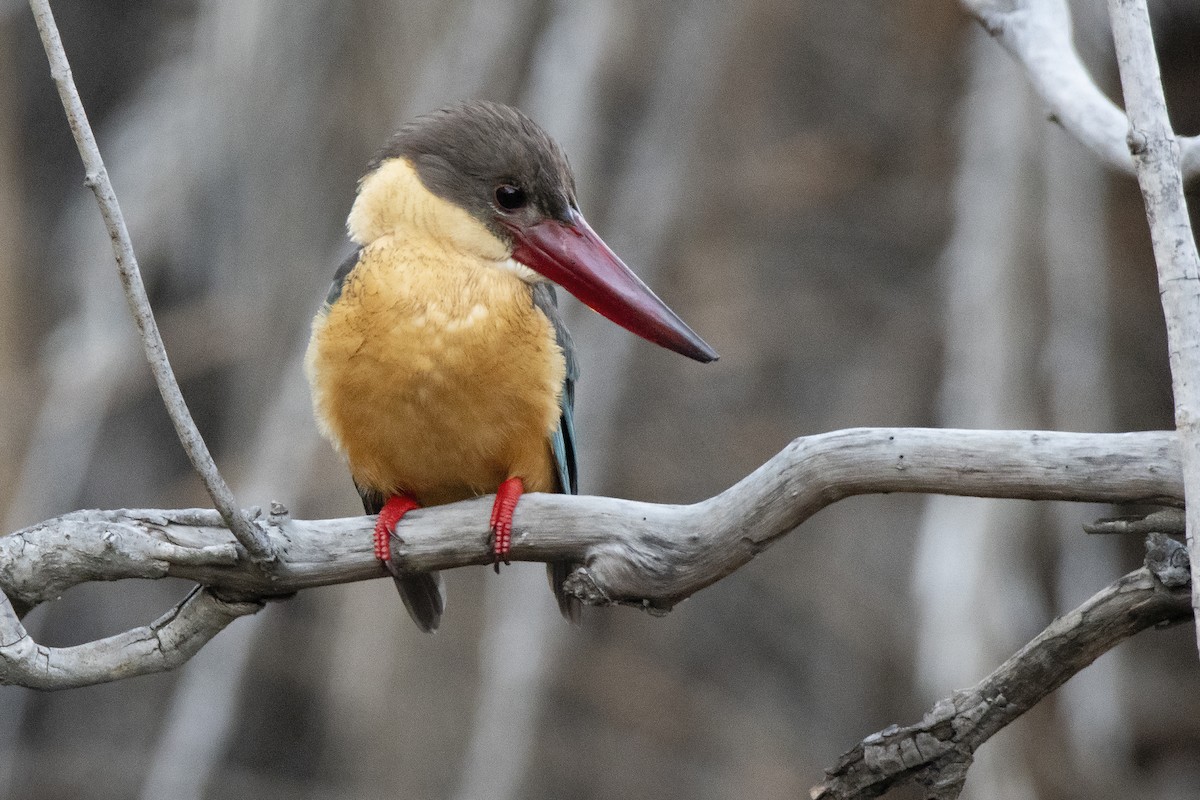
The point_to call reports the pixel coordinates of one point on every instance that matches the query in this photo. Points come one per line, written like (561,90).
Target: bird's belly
(442,401)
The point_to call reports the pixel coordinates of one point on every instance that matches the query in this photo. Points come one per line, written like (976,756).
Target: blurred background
(861,205)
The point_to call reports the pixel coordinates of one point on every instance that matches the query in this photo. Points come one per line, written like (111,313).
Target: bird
(439,365)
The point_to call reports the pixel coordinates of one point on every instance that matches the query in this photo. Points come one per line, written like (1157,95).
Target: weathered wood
(633,553)
(1157,161)
(1038,35)
(937,751)
(162,645)
(640,553)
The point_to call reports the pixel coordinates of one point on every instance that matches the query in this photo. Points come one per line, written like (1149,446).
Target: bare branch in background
(1038,34)
(203,711)
(1076,242)
(968,548)
(936,752)
(91,372)
(642,554)
(1156,156)
(250,536)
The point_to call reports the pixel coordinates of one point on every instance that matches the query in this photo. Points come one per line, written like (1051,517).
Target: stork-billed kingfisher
(439,365)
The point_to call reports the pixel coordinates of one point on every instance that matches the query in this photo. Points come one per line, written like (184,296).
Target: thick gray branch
(255,542)
(936,752)
(639,553)
(1038,34)
(633,553)
(1156,156)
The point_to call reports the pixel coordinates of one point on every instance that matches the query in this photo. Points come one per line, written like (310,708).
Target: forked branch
(1038,34)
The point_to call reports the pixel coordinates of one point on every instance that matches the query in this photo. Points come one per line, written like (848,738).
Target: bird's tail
(569,606)
(424,596)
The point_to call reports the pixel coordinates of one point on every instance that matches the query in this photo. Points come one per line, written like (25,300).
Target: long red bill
(573,256)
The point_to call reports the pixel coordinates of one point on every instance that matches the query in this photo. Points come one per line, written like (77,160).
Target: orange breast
(435,374)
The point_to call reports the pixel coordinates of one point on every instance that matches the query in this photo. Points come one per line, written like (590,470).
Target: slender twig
(1155,152)
(937,751)
(1168,520)
(248,534)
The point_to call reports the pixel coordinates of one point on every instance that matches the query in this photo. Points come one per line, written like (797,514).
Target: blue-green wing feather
(562,442)
(339,278)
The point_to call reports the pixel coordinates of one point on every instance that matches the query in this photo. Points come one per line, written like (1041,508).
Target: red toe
(507,495)
(389,516)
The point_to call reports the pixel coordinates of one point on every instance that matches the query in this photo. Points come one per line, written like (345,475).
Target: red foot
(389,516)
(507,495)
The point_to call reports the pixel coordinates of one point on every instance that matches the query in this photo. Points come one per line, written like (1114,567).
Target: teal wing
(339,278)
(563,440)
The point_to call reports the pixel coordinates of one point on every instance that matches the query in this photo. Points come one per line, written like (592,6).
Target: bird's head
(485,179)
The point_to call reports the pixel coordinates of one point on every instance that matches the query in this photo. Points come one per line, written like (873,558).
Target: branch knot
(1167,559)
(1137,141)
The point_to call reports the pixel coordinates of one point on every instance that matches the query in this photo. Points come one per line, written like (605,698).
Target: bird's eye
(510,197)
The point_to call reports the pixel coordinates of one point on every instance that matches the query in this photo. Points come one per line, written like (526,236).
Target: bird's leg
(507,495)
(389,516)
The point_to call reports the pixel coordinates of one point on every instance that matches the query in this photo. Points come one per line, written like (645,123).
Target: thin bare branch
(1156,157)
(1038,34)
(641,554)
(250,536)
(1168,520)
(164,644)
(936,752)
(993,328)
